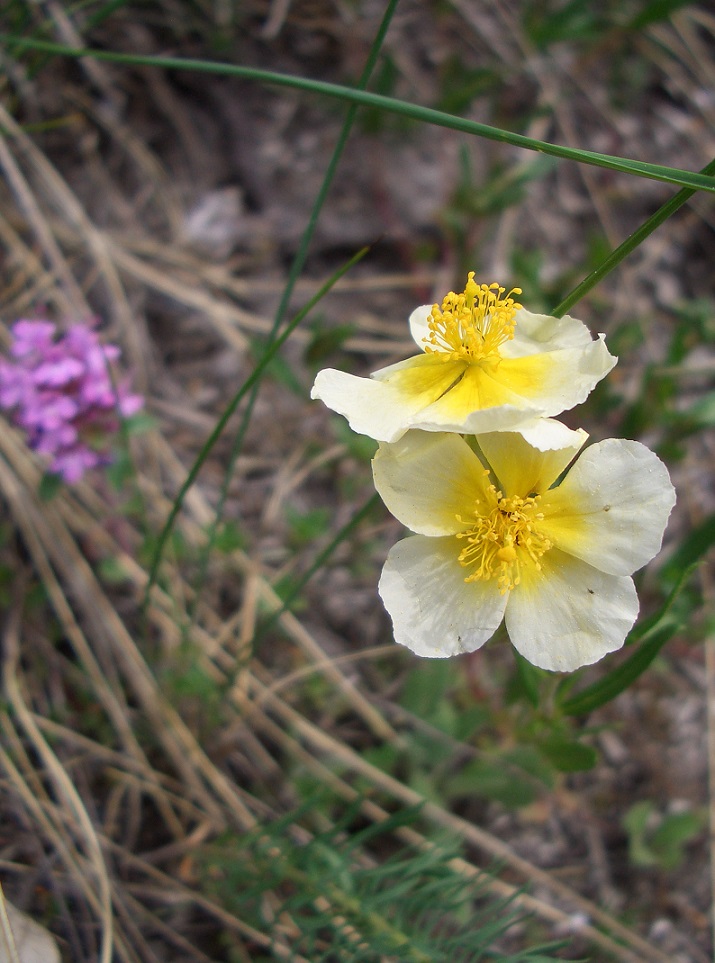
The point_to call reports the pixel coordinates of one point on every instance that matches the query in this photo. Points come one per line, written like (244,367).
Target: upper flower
(498,538)
(63,395)
(487,365)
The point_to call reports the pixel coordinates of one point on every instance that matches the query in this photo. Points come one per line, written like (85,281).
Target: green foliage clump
(334,902)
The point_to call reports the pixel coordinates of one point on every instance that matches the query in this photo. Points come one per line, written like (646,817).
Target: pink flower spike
(32,336)
(58,373)
(64,391)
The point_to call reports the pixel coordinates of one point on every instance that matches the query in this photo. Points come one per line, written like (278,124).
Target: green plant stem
(629,245)
(429,115)
(255,375)
(294,273)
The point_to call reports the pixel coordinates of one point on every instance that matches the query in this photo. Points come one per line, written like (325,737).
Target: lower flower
(497,538)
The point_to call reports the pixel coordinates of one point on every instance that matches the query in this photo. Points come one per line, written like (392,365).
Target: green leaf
(360,446)
(279,368)
(306,527)
(576,20)
(510,777)
(568,755)
(229,538)
(526,681)
(654,11)
(426,686)
(669,840)
(532,761)
(112,571)
(701,414)
(460,85)
(655,840)
(139,423)
(690,551)
(635,823)
(491,779)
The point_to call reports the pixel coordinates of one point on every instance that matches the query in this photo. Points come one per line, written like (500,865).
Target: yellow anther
(473,325)
(502,538)
(507,554)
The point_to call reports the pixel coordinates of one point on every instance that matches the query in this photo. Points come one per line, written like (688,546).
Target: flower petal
(538,384)
(419,328)
(612,507)
(384,406)
(559,378)
(422,379)
(548,434)
(481,387)
(569,614)
(427,480)
(535,333)
(434,611)
(523,469)
(371,407)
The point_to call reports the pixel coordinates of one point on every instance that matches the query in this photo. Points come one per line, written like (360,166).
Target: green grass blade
(629,245)
(438,118)
(255,375)
(293,275)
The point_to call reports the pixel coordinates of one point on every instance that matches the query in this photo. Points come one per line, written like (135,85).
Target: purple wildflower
(62,393)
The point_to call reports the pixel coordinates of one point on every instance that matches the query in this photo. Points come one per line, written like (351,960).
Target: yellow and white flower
(498,539)
(487,365)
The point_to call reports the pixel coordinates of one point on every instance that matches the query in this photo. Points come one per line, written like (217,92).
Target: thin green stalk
(255,375)
(629,245)
(293,275)
(364,98)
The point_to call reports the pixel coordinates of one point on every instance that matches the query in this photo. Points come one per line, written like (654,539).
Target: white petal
(612,507)
(421,379)
(523,469)
(548,434)
(541,332)
(427,480)
(557,378)
(506,417)
(419,328)
(518,389)
(434,611)
(371,407)
(569,614)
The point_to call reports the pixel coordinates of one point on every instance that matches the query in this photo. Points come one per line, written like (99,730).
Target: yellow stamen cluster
(471,326)
(504,537)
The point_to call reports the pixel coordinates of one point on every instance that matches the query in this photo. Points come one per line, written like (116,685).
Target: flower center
(471,326)
(503,538)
